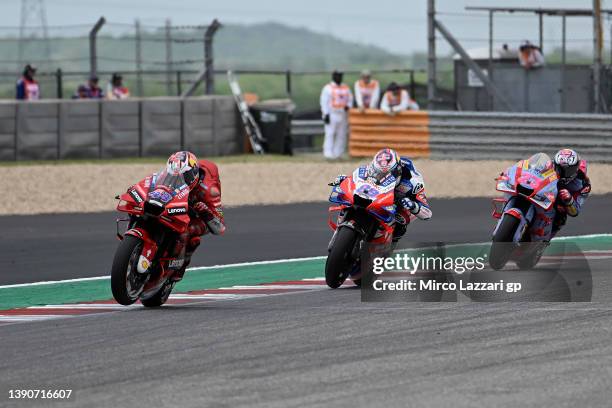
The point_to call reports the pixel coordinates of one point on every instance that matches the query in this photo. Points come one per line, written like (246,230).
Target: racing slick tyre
(339,260)
(531,259)
(160,297)
(126,282)
(502,248)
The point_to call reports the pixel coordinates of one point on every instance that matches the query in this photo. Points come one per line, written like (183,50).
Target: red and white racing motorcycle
(367,211)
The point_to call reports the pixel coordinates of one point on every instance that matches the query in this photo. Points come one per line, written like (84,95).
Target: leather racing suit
(410,198)
(579,189)
(205,210)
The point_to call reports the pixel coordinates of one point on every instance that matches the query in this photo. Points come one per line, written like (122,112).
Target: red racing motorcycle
(367,210)
(150,253)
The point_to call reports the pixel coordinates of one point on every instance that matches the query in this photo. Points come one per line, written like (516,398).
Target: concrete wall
(549,89)
(58,129)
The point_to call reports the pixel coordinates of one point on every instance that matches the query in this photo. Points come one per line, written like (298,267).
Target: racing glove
(409,205)
(203,210)
(565,197)
(326,119)
(339,179)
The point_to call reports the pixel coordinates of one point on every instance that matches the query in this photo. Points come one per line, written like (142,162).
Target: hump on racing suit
(208,191)
(412,186)
(579,188)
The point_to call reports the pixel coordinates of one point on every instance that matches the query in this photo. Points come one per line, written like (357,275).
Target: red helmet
(184,164)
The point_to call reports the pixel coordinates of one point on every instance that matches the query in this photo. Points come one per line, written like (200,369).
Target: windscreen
(540,162)
(376,174)
(172,181)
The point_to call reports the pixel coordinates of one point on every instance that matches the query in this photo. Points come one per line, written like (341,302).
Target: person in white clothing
(397,100)
(530,56)
(336,100)
(367,92)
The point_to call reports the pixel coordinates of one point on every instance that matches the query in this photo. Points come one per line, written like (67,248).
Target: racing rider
(205,208)
(573,186)
(410,196)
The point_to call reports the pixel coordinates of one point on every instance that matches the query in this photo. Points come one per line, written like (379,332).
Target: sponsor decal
(182,193)
(177,211)
(176,263)
(136,196)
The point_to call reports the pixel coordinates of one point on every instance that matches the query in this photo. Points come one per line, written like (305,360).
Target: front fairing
(155,200)
(380,196)
(538,183)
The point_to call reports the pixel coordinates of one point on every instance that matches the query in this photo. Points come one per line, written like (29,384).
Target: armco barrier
(58,129)
(476,135)
(480,135)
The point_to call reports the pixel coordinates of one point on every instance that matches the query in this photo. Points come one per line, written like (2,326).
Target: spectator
(367,92)
(507,53)
(530,56)
(27,87)
(397,100)
(81,93)
(336,99)
(115,89)
(90,91)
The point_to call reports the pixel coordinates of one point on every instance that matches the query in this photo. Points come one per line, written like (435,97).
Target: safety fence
(59,129)
(480,135)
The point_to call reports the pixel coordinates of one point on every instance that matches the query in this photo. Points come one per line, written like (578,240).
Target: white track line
(271,262)
(29,318)
(92,306)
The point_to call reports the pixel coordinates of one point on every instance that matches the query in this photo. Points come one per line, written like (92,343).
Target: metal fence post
(60,84)
(179,86)
(288,81)
(431,54)
(93,50)
(208,56)
(138,38)
(168,58)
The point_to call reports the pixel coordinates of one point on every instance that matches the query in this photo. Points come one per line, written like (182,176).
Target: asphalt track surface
(54,247)
(319,348)
(322,348)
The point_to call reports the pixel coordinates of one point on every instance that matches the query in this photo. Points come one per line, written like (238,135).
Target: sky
(396,25)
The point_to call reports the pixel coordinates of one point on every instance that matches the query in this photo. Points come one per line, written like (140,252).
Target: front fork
(525,218)
(149,248)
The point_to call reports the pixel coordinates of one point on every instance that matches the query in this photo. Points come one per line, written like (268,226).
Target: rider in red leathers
(206,211)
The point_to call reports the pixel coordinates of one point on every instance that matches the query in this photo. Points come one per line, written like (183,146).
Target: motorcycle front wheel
(340,259)
(502,248)
(126,282)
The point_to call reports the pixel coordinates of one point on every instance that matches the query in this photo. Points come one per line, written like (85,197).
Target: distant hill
(258,46)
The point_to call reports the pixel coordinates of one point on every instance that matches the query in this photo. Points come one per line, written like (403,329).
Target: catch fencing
(60,129)
(480,135)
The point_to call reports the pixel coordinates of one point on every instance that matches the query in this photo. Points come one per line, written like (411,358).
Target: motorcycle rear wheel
(339,260)
(160,297)
(531,259)
(501,248)
(126,286)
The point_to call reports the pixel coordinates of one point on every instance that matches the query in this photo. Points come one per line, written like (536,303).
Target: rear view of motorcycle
(530,188)
(366,212)
(150,254)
